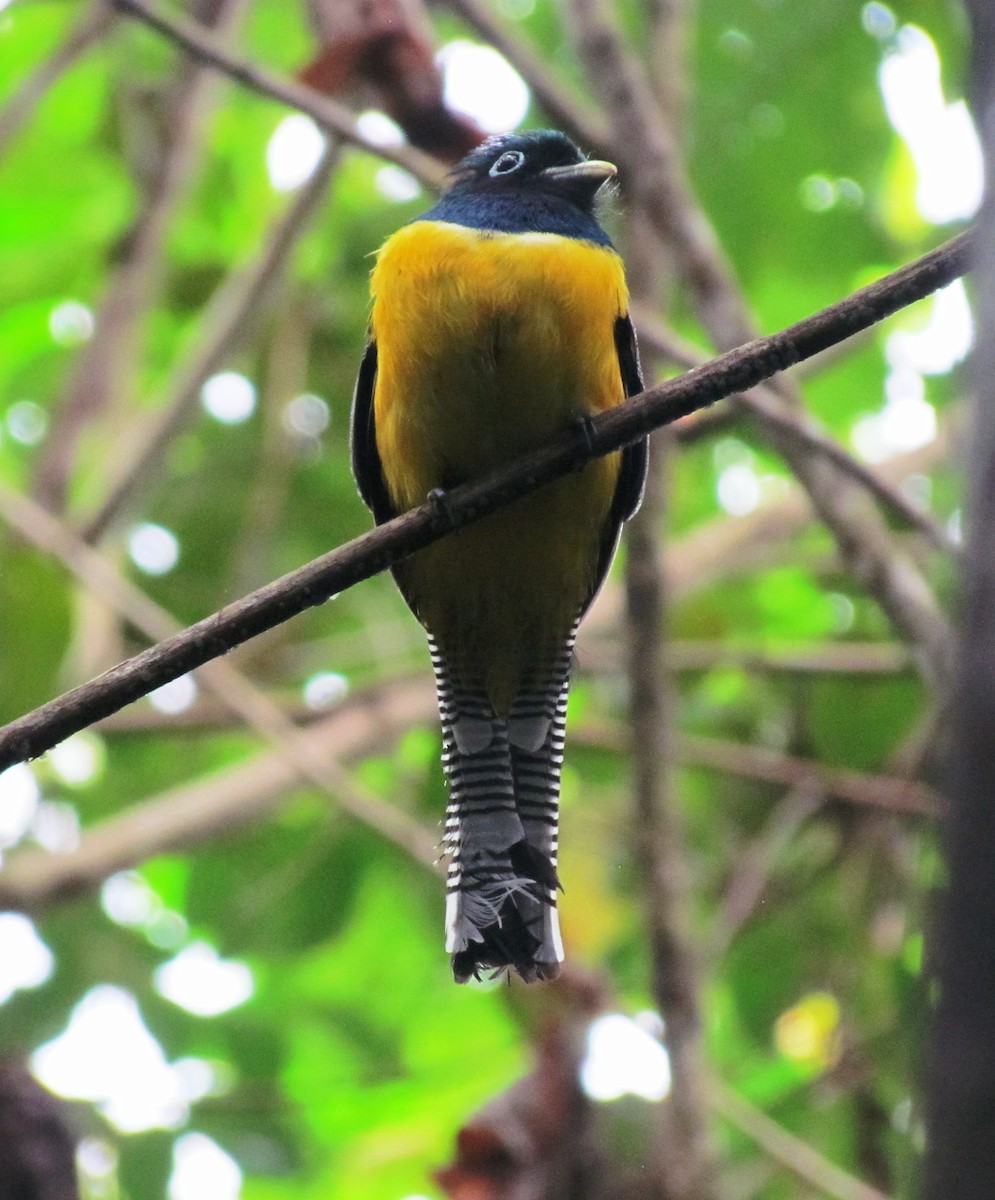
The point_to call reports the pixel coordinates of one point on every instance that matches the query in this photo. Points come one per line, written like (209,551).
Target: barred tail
(501,825)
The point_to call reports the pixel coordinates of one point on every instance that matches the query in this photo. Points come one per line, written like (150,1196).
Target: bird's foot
(438,499)
(585,427)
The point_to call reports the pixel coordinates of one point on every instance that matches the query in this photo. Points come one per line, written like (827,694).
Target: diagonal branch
(657,183)
(193,814)
(22,103)
(224,323)
(333,118)
(365,556)
(798,1156)
(258,711)
(762,403)
(107,365)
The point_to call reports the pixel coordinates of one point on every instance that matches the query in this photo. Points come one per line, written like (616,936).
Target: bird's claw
(438,498)
(585,426)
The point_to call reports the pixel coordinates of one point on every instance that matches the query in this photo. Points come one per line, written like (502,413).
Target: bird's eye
(510,161)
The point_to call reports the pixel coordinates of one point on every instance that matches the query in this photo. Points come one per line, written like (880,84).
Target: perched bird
(499,320)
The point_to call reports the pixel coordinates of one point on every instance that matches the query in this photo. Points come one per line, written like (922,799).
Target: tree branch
(21,104)
(799,1157)
(655,180)
(218,806)
(105,367)
(762,403)
(256,709)
(225,321)
(365,556)
(333,118)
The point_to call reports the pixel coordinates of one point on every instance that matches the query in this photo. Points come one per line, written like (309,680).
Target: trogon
(499,319)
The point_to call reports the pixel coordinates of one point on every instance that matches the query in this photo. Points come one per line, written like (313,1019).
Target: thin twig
(363,557)
(332,117)
(882,793)
(798,1156)
(21,105)
(194,814)
(226,319)
(106,366)
(768,408)
(315,766)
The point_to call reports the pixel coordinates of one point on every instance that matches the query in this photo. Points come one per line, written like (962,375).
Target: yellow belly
(489,344)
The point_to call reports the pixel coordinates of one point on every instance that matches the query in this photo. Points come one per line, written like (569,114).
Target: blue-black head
(519,182)
(543,160)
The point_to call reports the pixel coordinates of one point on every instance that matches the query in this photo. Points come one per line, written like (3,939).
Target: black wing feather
(632,471)
(635,458)
(366,465)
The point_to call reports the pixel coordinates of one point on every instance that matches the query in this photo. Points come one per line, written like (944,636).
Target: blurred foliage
(356,1059)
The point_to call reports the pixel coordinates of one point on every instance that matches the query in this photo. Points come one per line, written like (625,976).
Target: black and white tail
(501,824)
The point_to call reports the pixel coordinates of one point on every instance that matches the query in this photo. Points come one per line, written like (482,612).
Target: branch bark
(39,730)
(655,181)
(225,321)
(960,1162)
(106,366)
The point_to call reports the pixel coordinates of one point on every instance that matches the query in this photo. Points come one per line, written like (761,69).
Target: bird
(499,319)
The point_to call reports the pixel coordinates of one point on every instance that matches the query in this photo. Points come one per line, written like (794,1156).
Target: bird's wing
(632,474)
(366,465)
(635,458)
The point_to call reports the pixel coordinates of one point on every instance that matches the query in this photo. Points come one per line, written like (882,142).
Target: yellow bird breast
(488,344)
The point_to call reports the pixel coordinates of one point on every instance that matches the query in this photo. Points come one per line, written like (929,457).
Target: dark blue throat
(525,211)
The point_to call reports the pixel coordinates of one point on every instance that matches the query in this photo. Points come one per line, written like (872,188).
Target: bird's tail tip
(502,925)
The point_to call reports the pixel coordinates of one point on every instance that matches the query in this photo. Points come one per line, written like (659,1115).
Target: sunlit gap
(477,82)
(940,137)
(202,1170)
(740,485)
(107,1055)
(943,145)
(25,961)
(202,982)
(625,1057)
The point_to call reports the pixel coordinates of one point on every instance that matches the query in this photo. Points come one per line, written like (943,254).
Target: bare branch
(799,1157)
(363,557)
(106,365)
(332,117)
(232,688)
(762,403)
(21,105)
(225,321)
(886,793)
(655,181)
(216,807)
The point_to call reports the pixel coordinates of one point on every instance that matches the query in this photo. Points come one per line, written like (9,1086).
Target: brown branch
(216,807)
(363,557)
(767,407)
(656,182)
(21,105)
(659,850)
(333,118)
(105,368)
(799,1157)
(597,655)
(960,1160)
(226,320)
(883,793)
(41,529)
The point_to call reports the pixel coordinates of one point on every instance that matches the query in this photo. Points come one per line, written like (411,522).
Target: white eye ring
(510,161)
